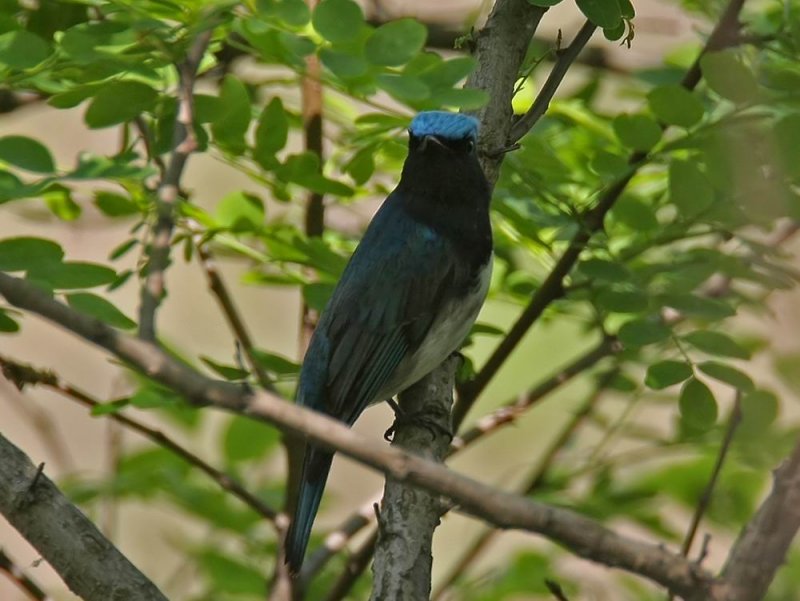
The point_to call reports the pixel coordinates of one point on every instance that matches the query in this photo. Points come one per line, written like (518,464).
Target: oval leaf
(26,153)
(716,343)
(98,307)
(675,105)
(698,405)
(338,20)
(19,254)
(667,373)
(728,374)
(639,132)
(396,42)
(118,102)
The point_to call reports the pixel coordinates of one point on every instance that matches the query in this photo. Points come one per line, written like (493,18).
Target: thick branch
(764,542)
(184,143)
(90,565)
(584,537)
(408,515)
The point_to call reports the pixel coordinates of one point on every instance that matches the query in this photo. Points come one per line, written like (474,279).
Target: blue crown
(452,126)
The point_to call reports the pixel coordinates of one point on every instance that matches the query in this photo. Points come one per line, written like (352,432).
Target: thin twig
(555,588)
(23,375)
(22,580)
(184,142)
(564,61)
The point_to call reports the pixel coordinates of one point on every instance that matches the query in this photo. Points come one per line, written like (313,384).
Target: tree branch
(762,545)
(23,375)
(564,61)
(90,565)
(22,580)
(408,516)
(584,537)
(724,34)
(184,143)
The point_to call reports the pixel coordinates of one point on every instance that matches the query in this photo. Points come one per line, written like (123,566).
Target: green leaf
(698,405)
(241,212)
(405,88)
(346,65)
(698,306)
(98,307)
(729,77)
(667,373)
(716,343)
(544,3)
(604,270)
(362,165)
(231,125)
(316,295)
(338,20)
(728,374)
(759,410)
(303,169)
(59,200)
(271,133)
(603,13)
(112,407)
(230,576)
(72,274)
(26,153)
(689,188)
(246,439)
(19,254)
(396,42)
(641,332)
(276,364)
(639,132)
(115,205)
(228,372)
(118,102)
(622,301)
(7,324)
(626,9)
(675,105)
(22,49)
(153,397)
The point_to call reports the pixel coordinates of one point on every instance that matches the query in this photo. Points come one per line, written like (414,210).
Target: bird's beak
(432,140)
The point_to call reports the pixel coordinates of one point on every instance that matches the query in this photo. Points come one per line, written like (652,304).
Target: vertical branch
(408,516)
(184,143)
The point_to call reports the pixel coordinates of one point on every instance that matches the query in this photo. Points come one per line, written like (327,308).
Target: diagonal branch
(765,540)
(724,34)
(90,565)
(565,59)
(23,375)
(22,580)
(184,143)
(583,536)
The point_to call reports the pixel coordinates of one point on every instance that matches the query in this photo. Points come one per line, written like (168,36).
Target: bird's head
(434,131)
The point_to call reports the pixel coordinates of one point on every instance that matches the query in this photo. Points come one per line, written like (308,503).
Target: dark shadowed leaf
(639,132)
(689,189)
(622,301)
(118,102)
(231,125)
(603,13)
(26,153)
(716,343)
(641,332)
(271,133)
(19,254)
(728,374)
(98,307)
(698,405)
(759,410)
(7,323)
(727,75)
(667,373)
(229,372)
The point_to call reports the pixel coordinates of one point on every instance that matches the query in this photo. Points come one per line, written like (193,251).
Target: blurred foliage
(685,249)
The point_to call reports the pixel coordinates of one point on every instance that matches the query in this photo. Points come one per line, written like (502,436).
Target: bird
(407,298)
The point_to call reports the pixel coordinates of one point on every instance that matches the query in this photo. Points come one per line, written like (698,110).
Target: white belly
(447,332)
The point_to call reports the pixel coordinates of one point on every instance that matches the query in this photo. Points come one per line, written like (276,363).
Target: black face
(464,145)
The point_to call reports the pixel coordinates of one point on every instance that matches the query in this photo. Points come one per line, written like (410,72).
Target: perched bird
(407,298)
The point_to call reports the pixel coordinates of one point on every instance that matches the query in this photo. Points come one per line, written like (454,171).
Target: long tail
(316,466)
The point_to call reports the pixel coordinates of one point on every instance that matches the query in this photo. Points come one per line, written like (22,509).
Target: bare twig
(21,579)
(184,143)
(555,588)
(583,536)
(23,375)
(564,61)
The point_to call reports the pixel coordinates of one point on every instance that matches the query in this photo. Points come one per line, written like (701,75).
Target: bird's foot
(419,418)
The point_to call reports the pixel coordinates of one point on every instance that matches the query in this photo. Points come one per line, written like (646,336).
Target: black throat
(446,189)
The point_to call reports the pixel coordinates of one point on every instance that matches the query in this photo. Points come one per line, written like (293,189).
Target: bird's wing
(384,305)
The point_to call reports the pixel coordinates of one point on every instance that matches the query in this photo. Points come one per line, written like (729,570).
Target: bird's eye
(470,145)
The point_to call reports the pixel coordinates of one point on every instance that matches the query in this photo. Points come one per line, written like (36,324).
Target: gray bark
(409,515)
(90,565)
